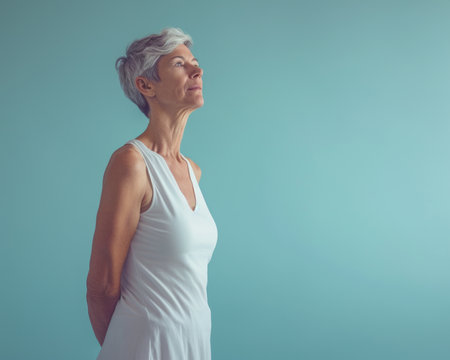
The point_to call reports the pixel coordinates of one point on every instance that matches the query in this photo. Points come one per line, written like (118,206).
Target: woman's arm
(117,219)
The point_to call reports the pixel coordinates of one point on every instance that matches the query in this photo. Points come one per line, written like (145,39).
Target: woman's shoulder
(127,155)
(126,161)
(196,168)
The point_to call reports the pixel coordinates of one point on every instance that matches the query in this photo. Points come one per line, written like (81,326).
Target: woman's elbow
(101,289)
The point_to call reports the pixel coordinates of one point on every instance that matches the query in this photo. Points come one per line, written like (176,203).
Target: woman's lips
(196,88)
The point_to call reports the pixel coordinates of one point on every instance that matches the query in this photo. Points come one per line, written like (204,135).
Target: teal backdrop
(324,146)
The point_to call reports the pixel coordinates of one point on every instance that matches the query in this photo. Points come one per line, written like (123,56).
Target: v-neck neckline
(190,170)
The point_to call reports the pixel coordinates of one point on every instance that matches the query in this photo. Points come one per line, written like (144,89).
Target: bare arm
(117,219)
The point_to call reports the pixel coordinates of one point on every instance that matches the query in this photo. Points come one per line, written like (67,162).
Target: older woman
(154,235)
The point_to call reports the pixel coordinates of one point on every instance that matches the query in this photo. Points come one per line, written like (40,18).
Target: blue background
(324,146)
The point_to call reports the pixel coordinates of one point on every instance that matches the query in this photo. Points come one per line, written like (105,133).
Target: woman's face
(179,71)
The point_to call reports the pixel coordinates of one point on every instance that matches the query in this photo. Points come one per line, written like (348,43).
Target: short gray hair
(142,58)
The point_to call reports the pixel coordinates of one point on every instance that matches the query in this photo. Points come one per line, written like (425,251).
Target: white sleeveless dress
(163,311)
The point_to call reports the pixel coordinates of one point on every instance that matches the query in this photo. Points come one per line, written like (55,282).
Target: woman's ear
(144,86)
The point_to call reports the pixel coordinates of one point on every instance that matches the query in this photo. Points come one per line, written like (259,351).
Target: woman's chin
(199,103)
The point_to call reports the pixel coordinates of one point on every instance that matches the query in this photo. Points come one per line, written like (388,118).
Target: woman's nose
(198,71)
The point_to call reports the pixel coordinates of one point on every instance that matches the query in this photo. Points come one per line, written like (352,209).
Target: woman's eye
(197,65)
